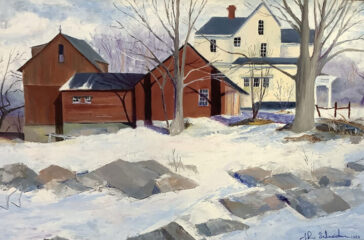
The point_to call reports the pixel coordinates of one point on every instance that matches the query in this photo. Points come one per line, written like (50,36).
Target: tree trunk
(305,81)
(177,124)
(2,118)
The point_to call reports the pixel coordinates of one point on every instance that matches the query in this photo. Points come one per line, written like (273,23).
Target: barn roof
(84,48)
(243,61)
(292,36)
(102,81)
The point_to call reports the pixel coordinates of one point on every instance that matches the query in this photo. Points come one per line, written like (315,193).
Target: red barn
(51,65)
(99,102)
(208,92)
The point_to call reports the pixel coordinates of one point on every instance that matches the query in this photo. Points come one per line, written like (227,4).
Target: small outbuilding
(98,102)
(207,91)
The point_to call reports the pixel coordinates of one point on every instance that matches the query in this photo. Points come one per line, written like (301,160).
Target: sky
(25,23)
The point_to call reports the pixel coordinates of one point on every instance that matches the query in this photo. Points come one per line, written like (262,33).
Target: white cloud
(64,3)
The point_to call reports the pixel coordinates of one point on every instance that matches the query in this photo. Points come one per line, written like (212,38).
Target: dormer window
(263,50)
(213,45)
(237,42)
(60,53)
(261,27)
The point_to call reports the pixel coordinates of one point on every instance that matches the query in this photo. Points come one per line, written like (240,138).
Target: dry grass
(260,122)
(305,137)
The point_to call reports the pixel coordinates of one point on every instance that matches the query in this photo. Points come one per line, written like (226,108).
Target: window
(256,82)
(213,45)
(263,50)
(88,99)
(261,27)
(76,100)
(265,82)
(237,42)
(203,97)
(60,53)
(246,82)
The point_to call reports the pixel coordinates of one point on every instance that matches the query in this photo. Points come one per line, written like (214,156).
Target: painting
(181,119)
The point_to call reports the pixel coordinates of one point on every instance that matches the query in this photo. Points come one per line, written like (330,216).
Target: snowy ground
(213,147)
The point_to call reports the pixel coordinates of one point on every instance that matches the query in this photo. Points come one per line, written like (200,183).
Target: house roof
(243,61)
(102,81)
(292,36)
(221,26)
(227,26)
(84,48)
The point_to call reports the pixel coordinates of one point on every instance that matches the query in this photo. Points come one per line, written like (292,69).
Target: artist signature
(336,234)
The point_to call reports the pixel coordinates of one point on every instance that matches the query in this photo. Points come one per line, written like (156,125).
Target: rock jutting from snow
(334,176)
(357,166)
(54,172)
(251,176)
(136,179)
(288,181)
(18,175)
(172,231)
(253,203)
(317,202)
(66,188)
(218,226)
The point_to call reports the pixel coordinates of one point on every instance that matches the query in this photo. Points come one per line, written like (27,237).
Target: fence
(335,107)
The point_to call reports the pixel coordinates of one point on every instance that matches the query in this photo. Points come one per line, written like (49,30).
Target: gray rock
(138,180)
(218,226)
(66,188)
(357,166)
(254,203)
(18,175)
(335,176)
(288,181)
(324,181)
(172,231)
(251,176)
(55,172)
(317,202)
(353,196)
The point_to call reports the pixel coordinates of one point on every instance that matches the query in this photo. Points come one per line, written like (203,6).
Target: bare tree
(332,20)
(8,85)
(178,25)
(283,93)
(259,80)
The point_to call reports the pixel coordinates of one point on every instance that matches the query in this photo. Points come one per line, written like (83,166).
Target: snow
(211,146)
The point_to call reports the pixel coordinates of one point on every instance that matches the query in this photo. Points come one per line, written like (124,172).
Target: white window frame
(203,96)
(76,100)
(256,83)
(261,27)
(88,99)
(212,45)
(246,82)
(263,49)
(237,42)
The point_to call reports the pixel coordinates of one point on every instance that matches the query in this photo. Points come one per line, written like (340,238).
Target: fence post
(335,109)
(318,110)
(349,110)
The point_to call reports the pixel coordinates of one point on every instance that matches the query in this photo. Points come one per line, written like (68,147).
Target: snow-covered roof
(102,81)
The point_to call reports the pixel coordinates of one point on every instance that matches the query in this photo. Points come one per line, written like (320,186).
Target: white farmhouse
(247,50)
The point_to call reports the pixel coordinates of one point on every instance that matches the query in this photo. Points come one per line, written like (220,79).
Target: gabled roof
(88,52)
(224,78)
(227,26)
(221,26)
(243,61)
(292,36)
(102,81)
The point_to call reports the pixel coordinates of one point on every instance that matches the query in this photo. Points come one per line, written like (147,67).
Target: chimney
(231,10)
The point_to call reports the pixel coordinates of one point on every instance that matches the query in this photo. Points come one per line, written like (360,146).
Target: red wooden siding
(105,107)
(43,74)
(149,96)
